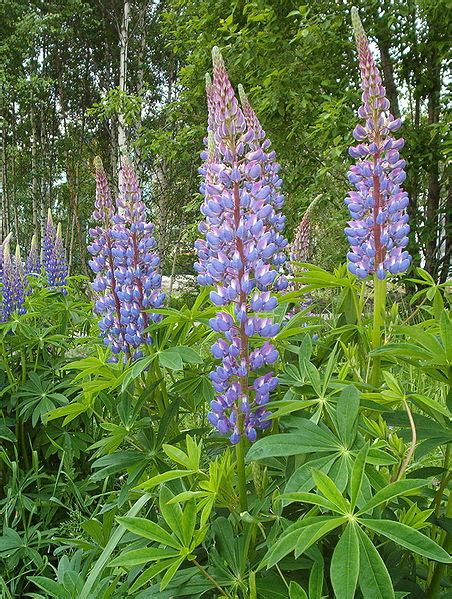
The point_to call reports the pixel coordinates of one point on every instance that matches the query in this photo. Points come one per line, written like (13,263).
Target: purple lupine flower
(8,298)
(108,304)
(136,263)
(48,243)
(125,264)
(20,283)
(13,283)
(56,267)
(378,229)
(33,265)
(241,256)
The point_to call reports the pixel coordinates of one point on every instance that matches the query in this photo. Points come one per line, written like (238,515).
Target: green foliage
(114,485)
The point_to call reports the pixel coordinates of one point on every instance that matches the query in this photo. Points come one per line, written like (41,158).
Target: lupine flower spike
(240,255)
(13,283)
(105,285)
(19,282)
(56,264)
(33,265)
(136,263)
(125,266)
(378,229)
(48,243)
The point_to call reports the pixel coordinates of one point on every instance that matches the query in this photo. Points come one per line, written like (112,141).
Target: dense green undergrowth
(113,483)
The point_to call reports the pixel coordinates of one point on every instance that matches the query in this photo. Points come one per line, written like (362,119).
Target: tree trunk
(34,174)
(124,43)
(388,72)
(5,197)
(434,187)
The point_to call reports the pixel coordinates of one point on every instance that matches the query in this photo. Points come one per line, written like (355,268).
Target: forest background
(82,78)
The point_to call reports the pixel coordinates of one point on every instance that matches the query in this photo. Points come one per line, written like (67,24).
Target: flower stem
(240,463)
(439,571)
(379,311)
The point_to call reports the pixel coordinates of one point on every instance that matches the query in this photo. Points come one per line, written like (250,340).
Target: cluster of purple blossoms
(127,283)
(33,264)
(378,231)
(54,257)
(13,283)
(241,255)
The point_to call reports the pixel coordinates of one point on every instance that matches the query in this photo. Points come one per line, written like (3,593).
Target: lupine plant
(13,282)
(54,257)
(234,458)
(33,264)
(378,231)
(127,283)
(241,255)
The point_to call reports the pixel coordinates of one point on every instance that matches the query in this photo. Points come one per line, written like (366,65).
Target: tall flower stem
(379,317)
(241,478)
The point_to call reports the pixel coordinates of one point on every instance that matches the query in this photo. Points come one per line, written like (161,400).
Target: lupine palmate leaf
(408,537)
(307,438)
(357,474)
(374,579)
(296,591)
(345,563)
(327,487)
(142,556)
(347,413)
(392,491)
(149,530)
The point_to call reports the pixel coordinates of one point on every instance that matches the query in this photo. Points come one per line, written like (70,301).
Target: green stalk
(241,478)
(439,571)
(379,318)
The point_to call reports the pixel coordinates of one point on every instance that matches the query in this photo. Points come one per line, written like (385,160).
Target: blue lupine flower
(13,283)
(241,255)
(127,281)
(33,265)
(378,229)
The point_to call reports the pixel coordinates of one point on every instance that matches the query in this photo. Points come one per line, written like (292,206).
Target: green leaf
(171,572)
(149,530)
(410,538)
(142,556)
(171,358)
(287,541)
(316,581)
(309,535)
(164,477)
(49,586)
(357,474)
(311,498)
(393,490)
(308,438)
(188,522)
(445,327)
(326,486)
(301,480)
(374,579)
(347,414)
(6,434)
(345,564)
(172,513)
(296,591)
(108,550)
(177,455)
(149,573)
(189,355)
